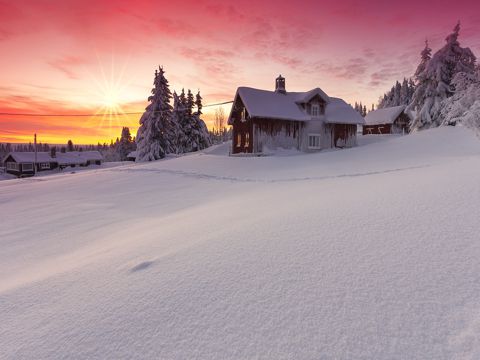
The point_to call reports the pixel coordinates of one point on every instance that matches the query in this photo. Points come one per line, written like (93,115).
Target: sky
(98,57)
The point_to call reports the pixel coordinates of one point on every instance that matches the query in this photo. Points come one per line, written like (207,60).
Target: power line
(98,114)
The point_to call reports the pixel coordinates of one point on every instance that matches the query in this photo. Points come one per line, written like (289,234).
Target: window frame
(317,110)
(12,166)
(29,167)
(243,114)
(316,142)
(45,166)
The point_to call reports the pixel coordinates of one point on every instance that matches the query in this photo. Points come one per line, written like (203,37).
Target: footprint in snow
(142,266)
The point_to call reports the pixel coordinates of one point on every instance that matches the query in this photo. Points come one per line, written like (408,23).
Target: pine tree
(194,135)
(204,140)
(157,133)
(179,115)
(464,105)
(435,80)
(125,145)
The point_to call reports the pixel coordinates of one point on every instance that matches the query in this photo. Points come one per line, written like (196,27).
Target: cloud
(214,63)
(353,68)
(67,64)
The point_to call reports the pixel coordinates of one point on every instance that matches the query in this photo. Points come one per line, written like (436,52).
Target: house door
(340,135)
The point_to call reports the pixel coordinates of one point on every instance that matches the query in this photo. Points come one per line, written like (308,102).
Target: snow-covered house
(391,120)
(22,163)
(307,121)
(91,157)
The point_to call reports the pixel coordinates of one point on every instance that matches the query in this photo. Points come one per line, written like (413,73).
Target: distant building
(21,164)
(392,120)
(307,121)
(132,156)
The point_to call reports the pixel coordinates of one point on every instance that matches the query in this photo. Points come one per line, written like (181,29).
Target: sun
(111,98)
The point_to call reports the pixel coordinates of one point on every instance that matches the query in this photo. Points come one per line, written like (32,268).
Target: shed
(391,120)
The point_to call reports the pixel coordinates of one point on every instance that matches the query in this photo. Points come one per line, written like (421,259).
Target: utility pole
(35,161)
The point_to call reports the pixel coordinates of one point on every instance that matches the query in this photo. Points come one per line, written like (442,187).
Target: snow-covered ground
(365,253)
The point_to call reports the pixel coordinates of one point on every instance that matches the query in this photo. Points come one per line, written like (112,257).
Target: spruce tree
(157,132)
(435,80)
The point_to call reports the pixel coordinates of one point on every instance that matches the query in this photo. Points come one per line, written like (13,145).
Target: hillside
(370,252)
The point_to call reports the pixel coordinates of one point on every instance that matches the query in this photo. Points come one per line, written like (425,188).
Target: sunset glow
(98,57)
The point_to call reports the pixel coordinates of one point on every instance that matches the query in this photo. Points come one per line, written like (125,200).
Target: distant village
(444,90)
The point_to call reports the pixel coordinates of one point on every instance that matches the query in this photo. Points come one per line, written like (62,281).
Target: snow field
(367,253)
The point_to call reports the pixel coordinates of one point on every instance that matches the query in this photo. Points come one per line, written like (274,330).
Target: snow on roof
(384,116)
(90,155)
(286,106)
(339,112)
(29,156)
(132,154)
(78,157)
(309,95)
(72,157)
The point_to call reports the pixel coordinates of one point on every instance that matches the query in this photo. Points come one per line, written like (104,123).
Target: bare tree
(220,122)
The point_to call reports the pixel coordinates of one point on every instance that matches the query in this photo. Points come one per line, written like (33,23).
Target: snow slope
(365,253)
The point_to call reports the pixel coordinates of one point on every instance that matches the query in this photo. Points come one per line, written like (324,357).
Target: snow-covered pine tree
(464,105)
(157,133)
(204,140)
(179,117)
(435,81)
(125,145)
(397,94)
(404,93)
(196,136)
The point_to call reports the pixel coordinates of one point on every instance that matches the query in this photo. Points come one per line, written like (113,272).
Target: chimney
(280,84)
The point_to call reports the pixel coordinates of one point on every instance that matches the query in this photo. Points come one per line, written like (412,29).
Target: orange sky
(83,56)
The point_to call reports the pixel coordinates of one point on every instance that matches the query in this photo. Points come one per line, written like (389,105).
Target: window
(239,140)
(247,140)
(314,141)
(12,166)
(244,114)
(315,110)
(27,167)
(44,166)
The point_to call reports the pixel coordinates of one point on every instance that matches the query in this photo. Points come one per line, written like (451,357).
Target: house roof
(29,156)
(339,112)
(286,106)
(78,157)
(384,116)
(89,155)
(72,157)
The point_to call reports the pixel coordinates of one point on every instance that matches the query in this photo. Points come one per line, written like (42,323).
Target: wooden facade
(342,134)
(26,168)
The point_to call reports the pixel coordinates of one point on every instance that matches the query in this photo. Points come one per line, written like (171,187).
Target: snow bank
(364,253)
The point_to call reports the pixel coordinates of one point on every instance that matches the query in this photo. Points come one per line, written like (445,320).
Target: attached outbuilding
(308,121)
(392,120)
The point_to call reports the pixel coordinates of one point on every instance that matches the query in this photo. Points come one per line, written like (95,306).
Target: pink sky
(60,56)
